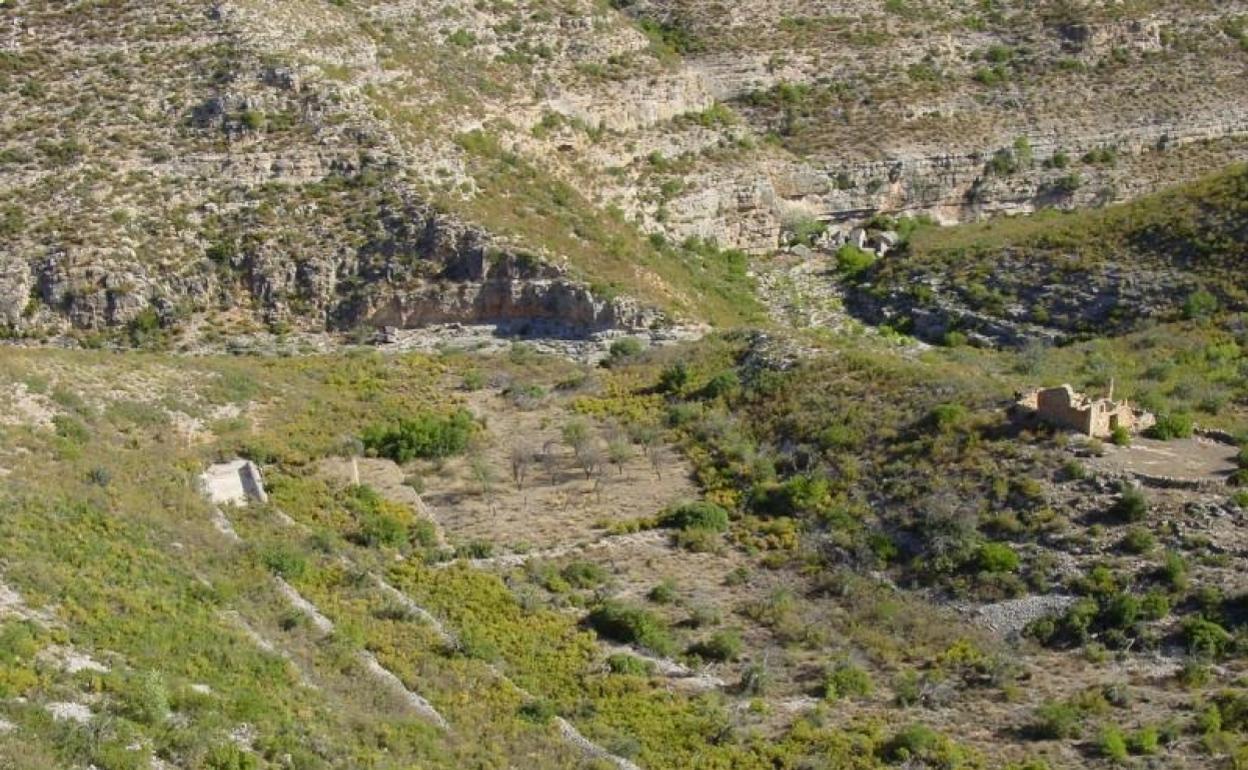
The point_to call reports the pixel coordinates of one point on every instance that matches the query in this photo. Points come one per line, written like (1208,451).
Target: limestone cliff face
(861,111)
(255,188)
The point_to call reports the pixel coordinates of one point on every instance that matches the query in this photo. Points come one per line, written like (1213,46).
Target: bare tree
(350,448)
(657,458)
(550,462)
(588,458)
(521,458)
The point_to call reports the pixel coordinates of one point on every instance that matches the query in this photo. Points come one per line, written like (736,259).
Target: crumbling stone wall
(1097,418)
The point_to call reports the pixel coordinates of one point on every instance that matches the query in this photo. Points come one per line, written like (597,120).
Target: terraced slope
(954,109)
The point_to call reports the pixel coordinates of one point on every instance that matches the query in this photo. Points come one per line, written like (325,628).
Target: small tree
(575,433)
(483,474)
(657,458)
(619,452)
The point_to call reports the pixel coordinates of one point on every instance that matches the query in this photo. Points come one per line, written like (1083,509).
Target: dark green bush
(631,625)
(696,515)
(1171,426)
(1055,720)
(674,378)
(916,742)
(847,681)
(663,592)
(1132,504)
(996,557)
(423,436)
(1138,540)
(538,711)
(723,384)
(1199,304)
(1205,638)
(723,645)
(623,349)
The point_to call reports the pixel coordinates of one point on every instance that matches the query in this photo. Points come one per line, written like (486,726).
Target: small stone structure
(1098,418)
(237,482)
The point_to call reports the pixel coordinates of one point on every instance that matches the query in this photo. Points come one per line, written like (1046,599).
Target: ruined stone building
(1064,407)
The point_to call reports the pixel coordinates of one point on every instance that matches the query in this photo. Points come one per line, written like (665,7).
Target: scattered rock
(70,712)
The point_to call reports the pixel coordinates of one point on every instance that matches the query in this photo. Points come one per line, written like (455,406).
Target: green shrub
(1122,611)
(538,711)
(631,625)
(1205,638)
(1120,436)
(851,260)
(1173,570)
(1074,470)
(378,529)
(1144,741)
(674,378)
(1199,304)
(663,593)
(71,428)
(722,384)
(1054,720)
(1155,605)
(1132,504)
(629,665)
(147,700)
(723,645)
(915,742)
(1138,540)
(699,514)
(623,349)
(996,557)
(1171,426)
(1112,745)
(284,561)
(423,436)
(947,417)
(474,379)
(847,681)
(230,756)
(584,574)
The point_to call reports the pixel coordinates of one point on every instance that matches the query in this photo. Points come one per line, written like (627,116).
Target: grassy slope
(1165,247)
(1202,227)
(103,530)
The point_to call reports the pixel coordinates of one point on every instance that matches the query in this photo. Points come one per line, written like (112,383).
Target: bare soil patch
(555,506)
(1196,459)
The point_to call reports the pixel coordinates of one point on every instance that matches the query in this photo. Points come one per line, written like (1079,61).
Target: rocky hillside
(955,109)
(1174,255)
(275,163)
(221,166)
